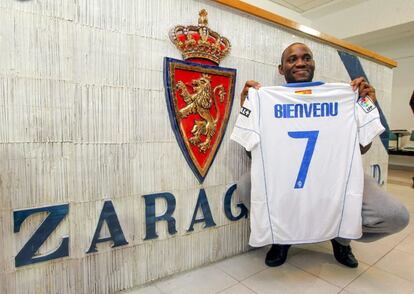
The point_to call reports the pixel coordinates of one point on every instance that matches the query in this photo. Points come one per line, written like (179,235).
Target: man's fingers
(249,84)
(253,84)
(257,86)
(364,93)
(356,83)
(364,88)
(369,91)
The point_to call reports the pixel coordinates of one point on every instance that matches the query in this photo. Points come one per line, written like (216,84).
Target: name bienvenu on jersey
(307,176)
(306,110)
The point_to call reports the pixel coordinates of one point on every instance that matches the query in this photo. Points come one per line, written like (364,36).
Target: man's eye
(291,60)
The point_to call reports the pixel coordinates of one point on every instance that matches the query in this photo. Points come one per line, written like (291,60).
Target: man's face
(297,64)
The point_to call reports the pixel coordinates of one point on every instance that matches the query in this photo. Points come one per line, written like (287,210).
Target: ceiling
(313,9)
(303,6)
(401,37)
(404,31)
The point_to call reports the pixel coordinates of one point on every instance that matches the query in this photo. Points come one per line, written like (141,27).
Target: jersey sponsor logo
(366,104)
(307,91)
(245,111)
(307,110)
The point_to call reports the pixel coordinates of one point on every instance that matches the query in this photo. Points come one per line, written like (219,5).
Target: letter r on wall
(151,219)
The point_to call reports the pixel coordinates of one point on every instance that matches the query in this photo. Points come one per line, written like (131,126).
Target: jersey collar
(303,84)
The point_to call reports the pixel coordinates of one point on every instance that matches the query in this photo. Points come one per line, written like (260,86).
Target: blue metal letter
(203,204)
(108,215)
(376,173)
(227,205)
(56,214)
(151,219)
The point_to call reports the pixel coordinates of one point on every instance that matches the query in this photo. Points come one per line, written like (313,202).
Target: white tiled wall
(83,118)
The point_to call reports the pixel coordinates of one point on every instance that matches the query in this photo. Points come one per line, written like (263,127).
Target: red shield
(199,99)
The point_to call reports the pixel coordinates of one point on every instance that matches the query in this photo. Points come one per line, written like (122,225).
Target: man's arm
(364,89)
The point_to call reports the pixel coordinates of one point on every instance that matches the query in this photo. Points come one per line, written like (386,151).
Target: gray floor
(386,266)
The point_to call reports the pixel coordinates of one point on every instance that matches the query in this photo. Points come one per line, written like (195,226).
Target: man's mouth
(301,71)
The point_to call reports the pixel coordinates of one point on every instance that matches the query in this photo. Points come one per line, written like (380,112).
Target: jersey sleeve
(246,131)
(368,118)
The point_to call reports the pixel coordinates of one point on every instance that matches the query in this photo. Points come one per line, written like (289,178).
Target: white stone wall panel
(83,119)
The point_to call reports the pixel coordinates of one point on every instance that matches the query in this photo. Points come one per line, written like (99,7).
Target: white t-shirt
(306,173)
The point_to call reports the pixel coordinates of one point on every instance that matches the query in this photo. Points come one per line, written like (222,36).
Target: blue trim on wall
(354,68)
(171,111)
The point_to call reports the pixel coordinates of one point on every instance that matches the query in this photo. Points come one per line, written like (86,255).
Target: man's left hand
(364,88)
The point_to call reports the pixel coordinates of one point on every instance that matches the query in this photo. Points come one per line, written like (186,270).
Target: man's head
(297,64)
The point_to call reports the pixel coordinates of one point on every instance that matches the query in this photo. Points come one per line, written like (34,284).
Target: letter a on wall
(108,215)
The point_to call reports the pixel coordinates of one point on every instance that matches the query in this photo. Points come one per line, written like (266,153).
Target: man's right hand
(245,90)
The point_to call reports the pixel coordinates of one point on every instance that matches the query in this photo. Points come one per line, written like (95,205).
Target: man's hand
(364,88)
(245,90)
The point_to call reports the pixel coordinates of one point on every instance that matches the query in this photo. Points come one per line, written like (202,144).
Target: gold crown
(200,41)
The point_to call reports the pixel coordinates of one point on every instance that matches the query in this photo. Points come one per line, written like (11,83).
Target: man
(382,215)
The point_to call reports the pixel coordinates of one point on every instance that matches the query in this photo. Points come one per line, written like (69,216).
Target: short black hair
(293,44)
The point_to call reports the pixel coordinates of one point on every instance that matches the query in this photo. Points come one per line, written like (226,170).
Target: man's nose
(300,62)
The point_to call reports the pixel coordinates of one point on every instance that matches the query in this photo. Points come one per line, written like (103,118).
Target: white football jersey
(306,173)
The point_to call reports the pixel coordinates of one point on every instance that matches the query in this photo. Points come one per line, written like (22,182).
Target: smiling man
(382,214)
(297,64)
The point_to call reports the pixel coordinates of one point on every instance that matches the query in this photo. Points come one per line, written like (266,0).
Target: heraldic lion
(200,101)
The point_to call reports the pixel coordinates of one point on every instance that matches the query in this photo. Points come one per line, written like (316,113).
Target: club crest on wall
(199,93)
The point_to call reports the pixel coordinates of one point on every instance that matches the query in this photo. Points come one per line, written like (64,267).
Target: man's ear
(281,70)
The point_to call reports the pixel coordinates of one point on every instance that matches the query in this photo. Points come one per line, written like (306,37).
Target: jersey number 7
(312,136)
